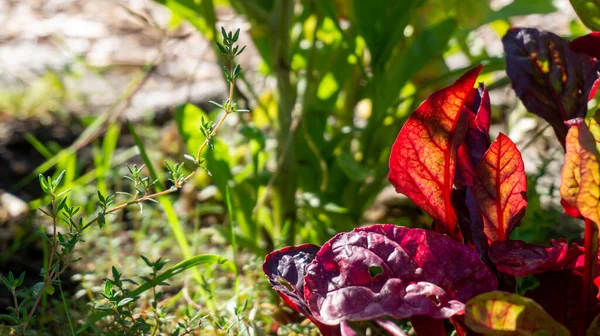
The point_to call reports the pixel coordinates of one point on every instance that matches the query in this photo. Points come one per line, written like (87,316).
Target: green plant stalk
(49,269)
(284,193)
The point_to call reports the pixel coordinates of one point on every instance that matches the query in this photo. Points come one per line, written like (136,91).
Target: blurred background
(328,84)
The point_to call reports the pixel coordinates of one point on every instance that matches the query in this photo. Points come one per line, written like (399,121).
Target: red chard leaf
(580,179)
(517,258)
(427,326)
(500,188)
(285,270)
(559,293)
(470,220)
(551,80)
(588,44)
(385,269)
(477,139)
(597,284)
(423,158)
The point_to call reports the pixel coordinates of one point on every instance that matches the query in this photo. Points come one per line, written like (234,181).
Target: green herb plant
(118,298)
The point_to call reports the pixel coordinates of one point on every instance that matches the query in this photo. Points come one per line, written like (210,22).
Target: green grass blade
(38,145)
(231,212)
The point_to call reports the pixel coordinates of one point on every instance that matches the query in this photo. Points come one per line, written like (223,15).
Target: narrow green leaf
(231,211)
(222,48)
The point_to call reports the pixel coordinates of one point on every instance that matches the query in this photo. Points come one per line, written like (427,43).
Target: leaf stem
(591,259)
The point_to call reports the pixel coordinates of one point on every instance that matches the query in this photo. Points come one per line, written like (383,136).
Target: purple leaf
(551,80)
(477,139)
(517,258)
(285,270)
(385,269)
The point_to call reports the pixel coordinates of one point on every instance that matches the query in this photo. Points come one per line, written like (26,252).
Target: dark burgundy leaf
(427,326)
(517,258)
(559,293)
(422,273)
(551,80)
(477,139)
(470,220)
(588,44)
(285,270)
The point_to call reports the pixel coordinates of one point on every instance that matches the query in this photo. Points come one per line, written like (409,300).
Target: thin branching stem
(228,109)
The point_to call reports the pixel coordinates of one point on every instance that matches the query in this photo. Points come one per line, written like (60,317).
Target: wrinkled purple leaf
(551,80)
(385,269)
(285,270)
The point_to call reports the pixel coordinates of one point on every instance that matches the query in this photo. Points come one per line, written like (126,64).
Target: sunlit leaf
(500,313)
(580,183)
(423,158)
(500,188)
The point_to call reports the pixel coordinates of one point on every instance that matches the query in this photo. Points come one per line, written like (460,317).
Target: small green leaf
(124,302)
(224,33)
(59,179)
(20,280)
(37,288)
(241,51)
(146,261)
(44,185)
(236,71)
(50,290)
(222,48)
(61,203)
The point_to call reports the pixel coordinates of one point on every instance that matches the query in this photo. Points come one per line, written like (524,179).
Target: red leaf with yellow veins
(580,185)
(500,188)
(423,158)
